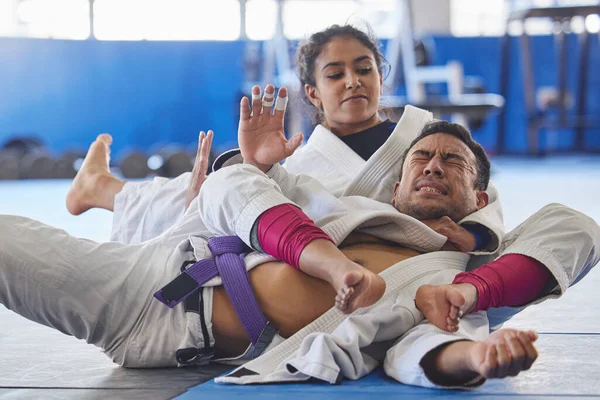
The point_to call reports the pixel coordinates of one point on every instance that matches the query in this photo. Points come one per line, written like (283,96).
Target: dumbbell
(68,165)
(33,160)
(134,164)
(36,165)
(9,166)
(170,161)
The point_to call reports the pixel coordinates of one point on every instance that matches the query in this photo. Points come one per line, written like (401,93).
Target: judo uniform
(144,210)
(234,197)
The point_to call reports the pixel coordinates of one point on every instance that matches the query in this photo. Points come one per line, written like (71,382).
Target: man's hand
(459,239)
(260,134)
(200,169)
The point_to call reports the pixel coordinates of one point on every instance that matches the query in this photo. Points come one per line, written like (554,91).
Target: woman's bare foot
(504,353)
(94,186)
(443,305)
(357,287)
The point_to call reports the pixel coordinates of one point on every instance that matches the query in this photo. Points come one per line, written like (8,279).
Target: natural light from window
(166,20)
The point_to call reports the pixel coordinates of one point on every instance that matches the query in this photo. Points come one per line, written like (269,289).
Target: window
(58,19)
(488,18)
(477,18)
(7,18)
(301,18)
(167,20)
(261,16)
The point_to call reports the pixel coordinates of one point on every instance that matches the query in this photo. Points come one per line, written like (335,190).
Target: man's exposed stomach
(289,298)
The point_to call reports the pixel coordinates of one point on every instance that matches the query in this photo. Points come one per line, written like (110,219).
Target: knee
(240,181)
(12,227)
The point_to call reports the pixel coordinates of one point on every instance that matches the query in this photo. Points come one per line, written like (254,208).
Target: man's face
(438,179)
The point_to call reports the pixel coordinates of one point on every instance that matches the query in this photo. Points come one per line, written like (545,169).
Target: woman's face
(348,86)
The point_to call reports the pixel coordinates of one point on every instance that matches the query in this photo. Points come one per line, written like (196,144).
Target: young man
(104,293)
(445,175)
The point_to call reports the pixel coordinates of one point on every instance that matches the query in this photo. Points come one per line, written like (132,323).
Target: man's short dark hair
(482,161)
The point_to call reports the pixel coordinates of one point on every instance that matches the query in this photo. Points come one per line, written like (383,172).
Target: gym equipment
(9,166)
(32,159)
(68,165)
(134,164)
(170,161)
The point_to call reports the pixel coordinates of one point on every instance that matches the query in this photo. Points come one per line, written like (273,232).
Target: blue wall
(141,92)
(155,92)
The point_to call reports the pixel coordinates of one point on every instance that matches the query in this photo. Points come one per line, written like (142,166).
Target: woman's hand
(199,172)
(260,134)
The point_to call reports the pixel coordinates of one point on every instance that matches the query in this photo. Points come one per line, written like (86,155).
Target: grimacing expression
(348,84)
(438,179)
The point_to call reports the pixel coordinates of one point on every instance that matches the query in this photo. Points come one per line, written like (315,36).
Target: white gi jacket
(234,197)
(144,210)
(331,347)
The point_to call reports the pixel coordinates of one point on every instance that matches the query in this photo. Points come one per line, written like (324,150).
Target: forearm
(511,280)
(286,233)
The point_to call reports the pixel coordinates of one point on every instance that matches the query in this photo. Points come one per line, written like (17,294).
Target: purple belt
(228,262)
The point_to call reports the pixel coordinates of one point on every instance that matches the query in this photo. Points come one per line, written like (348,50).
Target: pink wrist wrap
(284,231)
(511,280)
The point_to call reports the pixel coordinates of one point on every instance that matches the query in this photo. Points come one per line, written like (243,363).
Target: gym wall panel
(157,92)
(142,92)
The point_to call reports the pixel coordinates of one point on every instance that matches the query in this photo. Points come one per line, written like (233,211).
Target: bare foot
(441,305)
(358,288)
(94,185)
(504,353)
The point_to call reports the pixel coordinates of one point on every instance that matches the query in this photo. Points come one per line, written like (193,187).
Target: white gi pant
(100,292)
(144,210)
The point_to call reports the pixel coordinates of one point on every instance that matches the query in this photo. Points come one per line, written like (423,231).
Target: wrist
(471,296)
(263,167)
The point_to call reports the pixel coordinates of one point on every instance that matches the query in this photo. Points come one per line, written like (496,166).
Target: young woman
(341,70)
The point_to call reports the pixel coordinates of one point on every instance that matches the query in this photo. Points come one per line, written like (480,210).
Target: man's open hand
(199,172)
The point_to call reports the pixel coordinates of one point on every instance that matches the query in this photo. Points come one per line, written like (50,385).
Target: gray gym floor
(39,362)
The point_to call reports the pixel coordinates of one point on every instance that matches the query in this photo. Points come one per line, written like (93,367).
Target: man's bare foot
(504,353)
(443,305)
(358,288)
(94,185)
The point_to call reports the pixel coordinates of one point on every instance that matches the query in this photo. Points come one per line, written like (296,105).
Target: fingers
(292,144)
(531,353)
(256,100)
(281,103)
(245,111)
(517,353)
(204,154)
(503,360)
(267,101)
(200,141)
(206,145)
(263,105)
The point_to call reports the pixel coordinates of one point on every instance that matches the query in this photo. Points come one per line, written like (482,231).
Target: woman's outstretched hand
(260,134)
(200,170)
